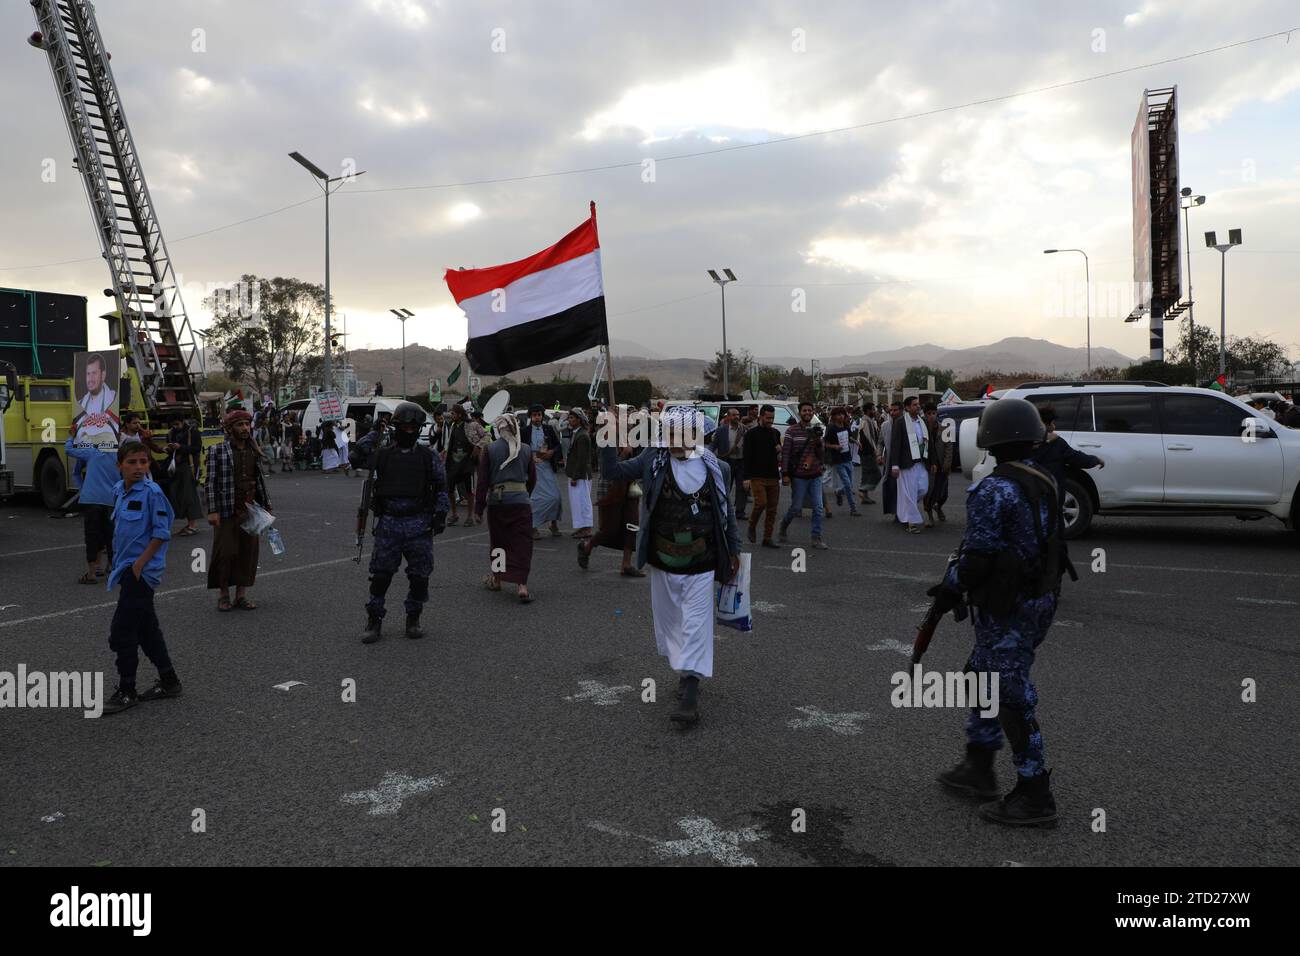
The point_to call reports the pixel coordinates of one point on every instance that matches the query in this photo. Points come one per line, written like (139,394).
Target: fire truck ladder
(154,326)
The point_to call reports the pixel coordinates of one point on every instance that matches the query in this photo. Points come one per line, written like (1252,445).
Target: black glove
(439,522)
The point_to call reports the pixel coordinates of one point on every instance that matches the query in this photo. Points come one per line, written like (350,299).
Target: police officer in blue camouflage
(409,499)
(1009,571)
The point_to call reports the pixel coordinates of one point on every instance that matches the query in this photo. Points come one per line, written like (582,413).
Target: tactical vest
(1041,575)
(404,475)
(681,529)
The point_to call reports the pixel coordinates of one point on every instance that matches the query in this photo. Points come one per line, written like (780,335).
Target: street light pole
(402,316)
(1188,201)
(1234,239)
(324,180)
(726,358)
(1087,281)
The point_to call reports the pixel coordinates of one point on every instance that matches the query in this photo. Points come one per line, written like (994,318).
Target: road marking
(386,799)
(703,837)
(889,644)
(845,725)
(287,684)
(764,607)
(598,693)
(193,587)
(1265,601)
(62,547)
(1253,574)
(56,815)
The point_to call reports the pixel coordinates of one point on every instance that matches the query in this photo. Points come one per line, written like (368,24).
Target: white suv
(1167,451)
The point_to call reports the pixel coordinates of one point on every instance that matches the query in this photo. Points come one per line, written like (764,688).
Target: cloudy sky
(924,229)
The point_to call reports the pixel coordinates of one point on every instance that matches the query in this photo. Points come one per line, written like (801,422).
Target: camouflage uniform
(404,531)
(998,518)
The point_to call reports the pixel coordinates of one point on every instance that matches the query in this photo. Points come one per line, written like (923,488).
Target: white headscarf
(507,427)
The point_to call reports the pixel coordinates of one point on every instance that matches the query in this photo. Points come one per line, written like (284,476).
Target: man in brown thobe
(234,479)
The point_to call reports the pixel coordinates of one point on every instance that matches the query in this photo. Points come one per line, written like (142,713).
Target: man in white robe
(909,455)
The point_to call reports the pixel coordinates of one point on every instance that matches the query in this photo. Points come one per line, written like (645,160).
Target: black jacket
(900,449)
(1056,456)
(762,453)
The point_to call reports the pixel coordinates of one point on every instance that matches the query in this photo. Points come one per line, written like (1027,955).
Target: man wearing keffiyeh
(688,536)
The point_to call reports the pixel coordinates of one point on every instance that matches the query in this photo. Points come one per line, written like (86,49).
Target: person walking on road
(233,482)
(689,538)
(409,500)
(1009,569)
(801,470)
(909,444)
(142,526)
(97,500)
(577,469)
(762,464)
(548,459)
(506,477)
(940,466)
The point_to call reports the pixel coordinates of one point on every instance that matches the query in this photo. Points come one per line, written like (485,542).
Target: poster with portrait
(96,377)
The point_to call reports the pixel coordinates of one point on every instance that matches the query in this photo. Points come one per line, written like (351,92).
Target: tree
(1201,340)
(217,382)
(1106,373)
(737,371)
(917,377)
(1169,373)
(273,345)
(1260,356)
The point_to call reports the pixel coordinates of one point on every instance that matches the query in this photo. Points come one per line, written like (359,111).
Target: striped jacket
(219,485)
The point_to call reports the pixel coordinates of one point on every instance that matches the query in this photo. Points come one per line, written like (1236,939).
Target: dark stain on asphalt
(823,841)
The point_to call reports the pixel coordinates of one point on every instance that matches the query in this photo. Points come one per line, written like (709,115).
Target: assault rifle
(946,599)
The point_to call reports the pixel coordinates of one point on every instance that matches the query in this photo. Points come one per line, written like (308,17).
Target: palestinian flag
(540,309)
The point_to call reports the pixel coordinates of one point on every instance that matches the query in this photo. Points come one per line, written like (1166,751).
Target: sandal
(186,532)
(245,604)
(223,604)
(632,573)
(556,532)
(87,578)
(525,599)
(491,583)
(537,535)
(453,521)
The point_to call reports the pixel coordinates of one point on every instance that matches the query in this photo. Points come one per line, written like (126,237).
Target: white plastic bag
(732,599)
(257,520)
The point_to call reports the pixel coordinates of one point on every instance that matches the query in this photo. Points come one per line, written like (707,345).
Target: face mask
(404,439)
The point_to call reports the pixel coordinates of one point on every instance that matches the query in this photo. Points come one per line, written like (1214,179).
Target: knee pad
(419,589)
(1017,728)
(379,583)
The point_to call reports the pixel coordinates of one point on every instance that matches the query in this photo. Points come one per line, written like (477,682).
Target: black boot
(1029,804)
(413,629)
(974,775)
(374,629)
(687,713)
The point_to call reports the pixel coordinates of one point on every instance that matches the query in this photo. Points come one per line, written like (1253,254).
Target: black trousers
(135,626)
(738,479)
(98,522)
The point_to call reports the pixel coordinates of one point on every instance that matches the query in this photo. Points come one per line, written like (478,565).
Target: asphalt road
(537,711)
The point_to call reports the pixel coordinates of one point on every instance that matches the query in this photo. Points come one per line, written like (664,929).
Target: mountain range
(675,377)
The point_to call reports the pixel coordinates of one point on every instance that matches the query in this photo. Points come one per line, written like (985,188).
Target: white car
(1168,451)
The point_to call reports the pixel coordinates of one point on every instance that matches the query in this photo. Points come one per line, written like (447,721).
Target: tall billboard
(1157,274)
(1140,143)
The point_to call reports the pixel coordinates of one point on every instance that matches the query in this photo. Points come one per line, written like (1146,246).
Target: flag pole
(609,359)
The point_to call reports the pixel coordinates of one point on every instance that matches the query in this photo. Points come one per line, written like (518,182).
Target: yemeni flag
(546,307)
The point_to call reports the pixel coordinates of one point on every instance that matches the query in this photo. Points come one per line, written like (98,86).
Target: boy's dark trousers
(136,625)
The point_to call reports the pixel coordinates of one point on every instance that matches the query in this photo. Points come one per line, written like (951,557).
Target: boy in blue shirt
(142,521)
(96,503)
